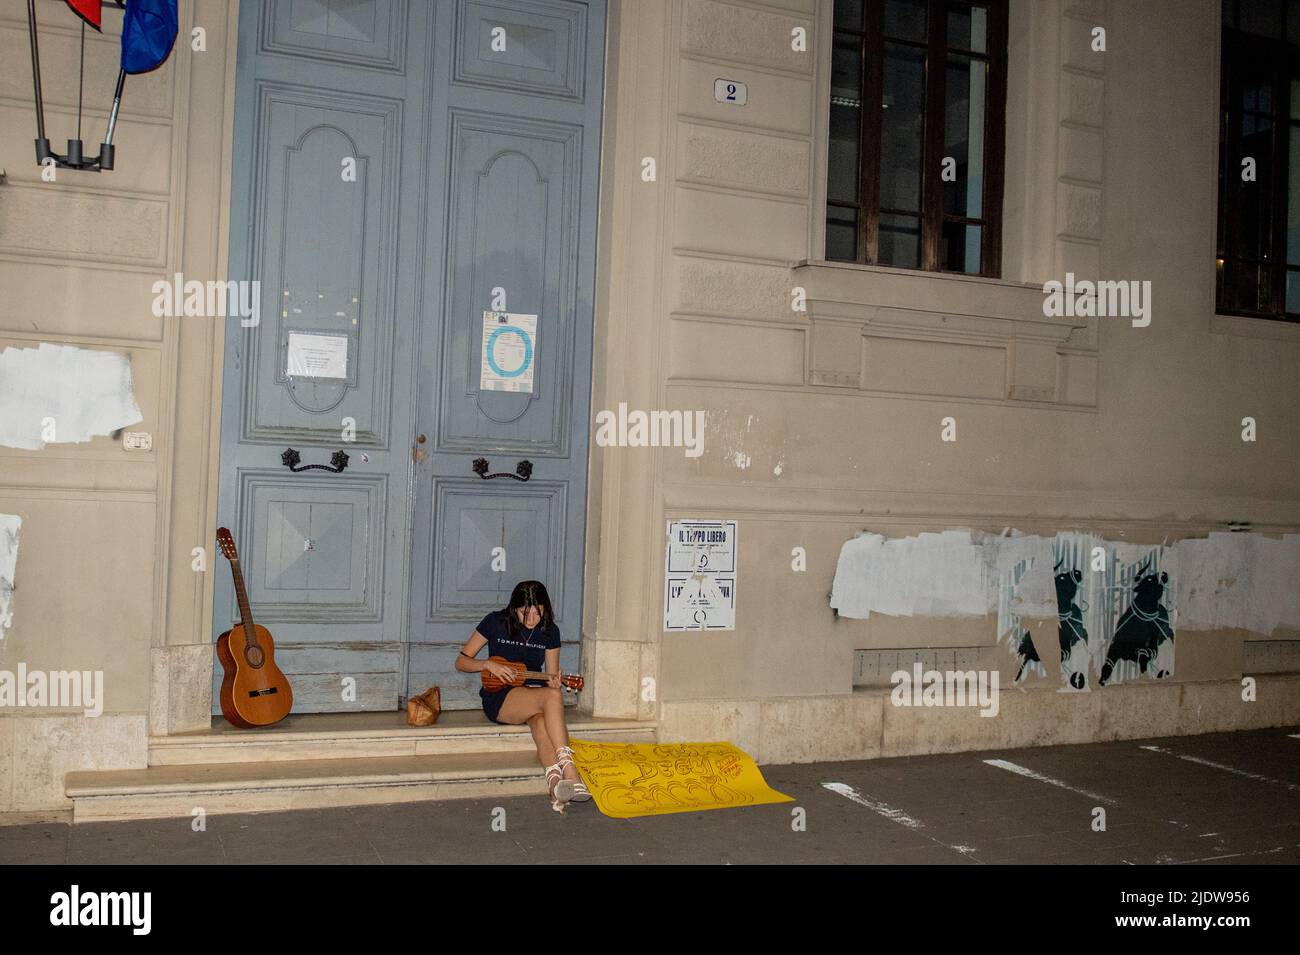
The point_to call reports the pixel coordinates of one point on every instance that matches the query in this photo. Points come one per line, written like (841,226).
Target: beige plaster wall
(104,579)
(825,422)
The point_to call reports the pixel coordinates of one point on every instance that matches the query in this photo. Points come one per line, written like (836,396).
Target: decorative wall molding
(970,337)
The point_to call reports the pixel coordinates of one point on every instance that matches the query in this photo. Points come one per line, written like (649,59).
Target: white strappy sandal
(561,789)
(564,757)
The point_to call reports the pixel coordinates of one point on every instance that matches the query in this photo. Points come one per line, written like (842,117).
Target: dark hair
(529,593)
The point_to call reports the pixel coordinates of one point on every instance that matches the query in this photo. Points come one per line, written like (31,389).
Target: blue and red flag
(148,34)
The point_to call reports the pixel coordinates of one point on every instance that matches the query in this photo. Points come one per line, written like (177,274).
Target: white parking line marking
(1227,769)
(1023,771)
(890,813)
(896,815)
(1234,855)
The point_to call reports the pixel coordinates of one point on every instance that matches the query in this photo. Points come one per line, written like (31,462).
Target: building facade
(600,173)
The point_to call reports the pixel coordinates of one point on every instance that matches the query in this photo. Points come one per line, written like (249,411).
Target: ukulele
(254,692)
(492,683)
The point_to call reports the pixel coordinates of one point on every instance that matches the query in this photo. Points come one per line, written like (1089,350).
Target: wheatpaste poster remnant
(509,352)
(1118,605)
(61,393)
(1083,570)
(1139,614)
(700,576)
(10,524)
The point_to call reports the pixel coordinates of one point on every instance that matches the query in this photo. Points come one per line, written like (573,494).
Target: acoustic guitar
(253,691)
(492,683)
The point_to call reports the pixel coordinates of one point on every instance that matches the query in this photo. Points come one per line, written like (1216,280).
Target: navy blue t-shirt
(530,647)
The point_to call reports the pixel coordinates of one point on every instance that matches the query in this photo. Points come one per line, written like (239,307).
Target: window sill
(1242,326)
(955,295)
(893,270)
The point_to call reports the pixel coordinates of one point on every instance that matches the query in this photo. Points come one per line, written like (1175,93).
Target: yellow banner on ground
(643,779)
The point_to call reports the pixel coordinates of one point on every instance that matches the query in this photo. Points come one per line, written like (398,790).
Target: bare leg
(545,748)
(546,704)
(531,705)
(553,713)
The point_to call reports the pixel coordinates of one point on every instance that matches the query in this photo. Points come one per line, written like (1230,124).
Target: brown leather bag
(423,710)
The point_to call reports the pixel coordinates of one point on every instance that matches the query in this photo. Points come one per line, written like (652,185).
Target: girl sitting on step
(525,631)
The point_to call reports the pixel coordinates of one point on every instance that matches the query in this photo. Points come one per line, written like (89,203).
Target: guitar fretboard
(241,595)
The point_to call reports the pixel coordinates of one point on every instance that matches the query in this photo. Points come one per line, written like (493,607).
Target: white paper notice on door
(509,351)
(317,356)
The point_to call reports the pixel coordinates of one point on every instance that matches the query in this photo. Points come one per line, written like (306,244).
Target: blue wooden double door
(414,191)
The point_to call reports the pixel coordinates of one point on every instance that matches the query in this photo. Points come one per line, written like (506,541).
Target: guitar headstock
(573,681)
(227,544)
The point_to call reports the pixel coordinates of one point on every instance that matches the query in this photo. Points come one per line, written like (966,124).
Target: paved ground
(1222,798)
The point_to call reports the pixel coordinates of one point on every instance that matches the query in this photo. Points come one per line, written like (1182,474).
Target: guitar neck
(245,611)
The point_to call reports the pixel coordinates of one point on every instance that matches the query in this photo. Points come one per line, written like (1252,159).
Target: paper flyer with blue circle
(509,351)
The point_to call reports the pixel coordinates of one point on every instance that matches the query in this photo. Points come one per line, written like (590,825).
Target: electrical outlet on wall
(137,440)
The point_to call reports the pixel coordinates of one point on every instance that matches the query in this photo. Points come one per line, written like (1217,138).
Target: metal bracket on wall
(523,470)
(291,458)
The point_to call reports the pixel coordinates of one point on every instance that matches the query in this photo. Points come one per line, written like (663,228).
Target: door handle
(291,459)
(523,470)
(419,454)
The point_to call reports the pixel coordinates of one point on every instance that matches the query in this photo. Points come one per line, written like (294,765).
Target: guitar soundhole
(254,655)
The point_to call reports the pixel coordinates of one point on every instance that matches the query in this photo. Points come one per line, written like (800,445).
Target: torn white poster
(1083,568)
(700,576)
(61,393)
(9,526)
(317,356)
(1020,564)
(1114,602)
(933,575)
(1244,581)
(509,352)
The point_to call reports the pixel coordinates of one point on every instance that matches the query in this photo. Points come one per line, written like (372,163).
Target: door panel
(346,31)
(514,211)
(314,558)
(546,48)
(331,277)
(469,522)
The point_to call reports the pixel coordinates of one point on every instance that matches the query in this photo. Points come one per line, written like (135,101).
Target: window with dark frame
(1258,259)
(917,181)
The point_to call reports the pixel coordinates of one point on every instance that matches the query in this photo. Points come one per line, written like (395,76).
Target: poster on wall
(700,576)
(509,352)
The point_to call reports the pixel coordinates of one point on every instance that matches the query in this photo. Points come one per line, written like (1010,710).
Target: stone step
(311,761)
(174,792)
(330,736)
